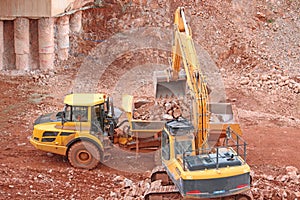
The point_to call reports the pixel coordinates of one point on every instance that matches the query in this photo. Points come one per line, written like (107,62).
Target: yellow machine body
(86,117)
(212,173)
(197,168)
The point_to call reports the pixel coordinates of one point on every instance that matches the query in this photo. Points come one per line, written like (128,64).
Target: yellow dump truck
(86,129)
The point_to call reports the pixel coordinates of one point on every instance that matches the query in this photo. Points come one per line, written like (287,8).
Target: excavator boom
(174,80)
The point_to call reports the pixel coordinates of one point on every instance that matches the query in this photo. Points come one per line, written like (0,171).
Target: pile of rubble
(128,189)
(273,80)
(160,109)
(282,184)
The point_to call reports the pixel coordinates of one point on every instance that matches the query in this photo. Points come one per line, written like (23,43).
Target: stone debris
(160,109)
(256,44)
(279,183)
(285,185)
(127,183)
(274,80)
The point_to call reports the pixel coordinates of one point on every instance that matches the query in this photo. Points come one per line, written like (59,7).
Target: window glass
(96,126)
(68,113)
(96,112)
(182,146)
(76,113)
(165,148)
(79,114)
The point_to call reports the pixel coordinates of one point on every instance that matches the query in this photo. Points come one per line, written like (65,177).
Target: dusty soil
(245,40)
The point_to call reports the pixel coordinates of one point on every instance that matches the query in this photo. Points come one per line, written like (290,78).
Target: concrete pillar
(1,45)
(46,43)
(21,37)
(76,22)
(63,42)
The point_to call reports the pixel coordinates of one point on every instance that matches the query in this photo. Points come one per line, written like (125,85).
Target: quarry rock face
(255,46)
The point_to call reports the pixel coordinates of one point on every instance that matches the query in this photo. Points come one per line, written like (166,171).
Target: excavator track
(160,192)
(170,192)
(159,173)
(157,170)
(161,187)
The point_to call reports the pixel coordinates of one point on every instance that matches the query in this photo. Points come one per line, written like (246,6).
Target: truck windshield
(76,113)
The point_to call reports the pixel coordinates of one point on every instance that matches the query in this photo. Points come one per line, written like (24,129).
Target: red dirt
(270,121)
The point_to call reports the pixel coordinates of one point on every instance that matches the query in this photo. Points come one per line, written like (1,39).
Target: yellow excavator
(191,167)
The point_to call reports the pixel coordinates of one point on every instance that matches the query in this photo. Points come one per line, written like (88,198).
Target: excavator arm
(183,51)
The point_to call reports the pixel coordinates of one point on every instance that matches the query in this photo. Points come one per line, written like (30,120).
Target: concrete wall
(38,8)
(30,38)
(28,8)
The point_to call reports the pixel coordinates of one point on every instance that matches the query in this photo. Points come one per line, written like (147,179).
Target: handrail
(238,149)
(239,139)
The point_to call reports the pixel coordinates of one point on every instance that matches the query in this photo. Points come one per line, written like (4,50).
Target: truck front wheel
(84,155)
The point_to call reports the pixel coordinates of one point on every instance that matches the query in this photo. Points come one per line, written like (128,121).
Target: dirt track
(269,116)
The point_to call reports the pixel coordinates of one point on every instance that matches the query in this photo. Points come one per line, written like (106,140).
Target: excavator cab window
(183,145)
(165,148)
(96,112)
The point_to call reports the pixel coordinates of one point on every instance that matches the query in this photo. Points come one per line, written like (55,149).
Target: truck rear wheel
(84,155)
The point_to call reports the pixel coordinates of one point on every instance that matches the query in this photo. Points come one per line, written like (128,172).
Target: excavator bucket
(166,87)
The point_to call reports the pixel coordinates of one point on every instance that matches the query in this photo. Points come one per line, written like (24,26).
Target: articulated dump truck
(86,129)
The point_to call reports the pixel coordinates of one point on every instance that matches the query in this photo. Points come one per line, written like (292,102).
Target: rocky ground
(255,46)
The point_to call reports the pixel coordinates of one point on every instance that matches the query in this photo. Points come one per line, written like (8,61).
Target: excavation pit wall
(30,44)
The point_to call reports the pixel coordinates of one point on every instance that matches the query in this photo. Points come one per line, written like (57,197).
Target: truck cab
(81,131)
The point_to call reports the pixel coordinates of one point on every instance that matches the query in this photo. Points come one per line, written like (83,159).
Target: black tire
(84,155)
